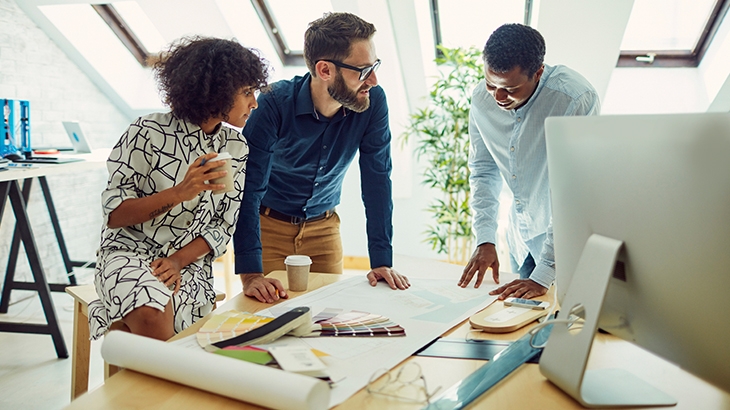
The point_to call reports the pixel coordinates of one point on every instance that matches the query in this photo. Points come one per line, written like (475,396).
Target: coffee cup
(297,272)
(226,159)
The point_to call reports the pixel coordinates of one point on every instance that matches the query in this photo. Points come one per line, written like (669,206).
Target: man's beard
(348,98)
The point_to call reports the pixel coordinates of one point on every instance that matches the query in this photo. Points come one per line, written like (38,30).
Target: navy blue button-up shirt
(297,162)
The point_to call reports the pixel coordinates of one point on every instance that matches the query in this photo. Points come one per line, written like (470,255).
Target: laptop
(78,141)
(77,137)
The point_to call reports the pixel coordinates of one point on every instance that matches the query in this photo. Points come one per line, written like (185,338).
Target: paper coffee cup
(297,271)
(227,179)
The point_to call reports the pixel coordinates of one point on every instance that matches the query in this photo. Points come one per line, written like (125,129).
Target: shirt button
(188,223)
(324,147)
(304,209)
(517,201)
(316,184)
(519,119)
(321,168)
(514,176)
(512,149)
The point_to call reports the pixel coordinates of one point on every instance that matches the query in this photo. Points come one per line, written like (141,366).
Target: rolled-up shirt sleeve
(486,183)
(128,163)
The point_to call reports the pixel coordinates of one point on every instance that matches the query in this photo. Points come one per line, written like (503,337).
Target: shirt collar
(210,140)
(305,104)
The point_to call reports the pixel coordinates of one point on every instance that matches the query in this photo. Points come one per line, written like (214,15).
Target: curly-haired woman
(164,226)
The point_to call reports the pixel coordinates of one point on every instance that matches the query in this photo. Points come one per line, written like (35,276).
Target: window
(469,23)
(107,60)
(125,34)
(138,22)
(286,21)
(670,33)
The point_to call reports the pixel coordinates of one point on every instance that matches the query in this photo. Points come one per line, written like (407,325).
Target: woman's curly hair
(199,77)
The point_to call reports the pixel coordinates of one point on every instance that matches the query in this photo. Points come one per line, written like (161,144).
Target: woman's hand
(167,271)
(197,177)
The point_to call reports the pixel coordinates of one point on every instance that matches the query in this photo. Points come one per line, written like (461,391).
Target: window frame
(678,58)
(436,23)
(271,26)
(119,27)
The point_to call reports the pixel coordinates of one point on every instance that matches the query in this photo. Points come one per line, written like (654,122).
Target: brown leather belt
(294,220)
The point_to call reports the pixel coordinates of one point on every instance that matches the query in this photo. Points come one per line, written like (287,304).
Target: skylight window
(670,32)
(294,17)
(286,21)
(100,48)
(141,25)
(469,23)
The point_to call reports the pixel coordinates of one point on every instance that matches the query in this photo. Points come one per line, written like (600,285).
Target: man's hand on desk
(266,290)
(520,288)
(394,279)
(484,257)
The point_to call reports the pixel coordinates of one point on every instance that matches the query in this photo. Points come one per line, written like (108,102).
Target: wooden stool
(81,350)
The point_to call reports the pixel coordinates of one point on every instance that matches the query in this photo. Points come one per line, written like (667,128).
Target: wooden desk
(526,388)
(10,190)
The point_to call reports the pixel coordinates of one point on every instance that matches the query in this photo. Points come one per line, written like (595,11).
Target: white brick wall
(33,68)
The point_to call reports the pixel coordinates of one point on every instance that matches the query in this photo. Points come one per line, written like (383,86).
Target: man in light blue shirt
(507,131)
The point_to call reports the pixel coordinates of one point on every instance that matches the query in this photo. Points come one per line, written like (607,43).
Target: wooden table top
(524,388)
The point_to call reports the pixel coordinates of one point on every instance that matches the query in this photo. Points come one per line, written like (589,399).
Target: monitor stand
(565,356)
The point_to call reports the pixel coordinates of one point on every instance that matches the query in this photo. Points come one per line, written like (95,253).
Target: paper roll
(228,377)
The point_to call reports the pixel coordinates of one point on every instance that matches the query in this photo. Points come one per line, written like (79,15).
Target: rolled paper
(237,379)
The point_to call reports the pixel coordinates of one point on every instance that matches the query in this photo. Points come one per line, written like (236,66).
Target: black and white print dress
(151,156)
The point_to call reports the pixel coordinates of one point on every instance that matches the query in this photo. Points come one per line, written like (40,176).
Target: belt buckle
(295,220)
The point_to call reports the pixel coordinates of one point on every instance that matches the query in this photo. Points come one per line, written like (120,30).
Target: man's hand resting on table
(394,279)
(520,288)
(266,290)
(484,257)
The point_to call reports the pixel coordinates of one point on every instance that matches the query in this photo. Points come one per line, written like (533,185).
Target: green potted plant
(441,134)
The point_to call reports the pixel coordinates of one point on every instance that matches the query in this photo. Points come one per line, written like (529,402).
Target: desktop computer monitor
(641,227)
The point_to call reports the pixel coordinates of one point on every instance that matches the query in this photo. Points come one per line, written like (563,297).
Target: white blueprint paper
(426,310)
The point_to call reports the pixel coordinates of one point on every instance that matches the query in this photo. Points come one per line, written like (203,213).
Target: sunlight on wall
(102,49)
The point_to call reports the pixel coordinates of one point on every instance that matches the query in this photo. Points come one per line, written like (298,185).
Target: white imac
(641,223)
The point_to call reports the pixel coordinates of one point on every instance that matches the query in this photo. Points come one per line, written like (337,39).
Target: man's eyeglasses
(364,72)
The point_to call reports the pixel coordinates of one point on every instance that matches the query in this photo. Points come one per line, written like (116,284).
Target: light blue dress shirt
(510,146)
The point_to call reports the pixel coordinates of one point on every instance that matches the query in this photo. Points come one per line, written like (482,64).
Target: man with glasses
(507,131)
(302,139)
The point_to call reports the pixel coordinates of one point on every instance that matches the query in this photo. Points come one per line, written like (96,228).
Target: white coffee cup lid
(222,156)
(298,260)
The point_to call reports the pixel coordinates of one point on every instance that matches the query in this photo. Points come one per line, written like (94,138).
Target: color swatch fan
(336,322)
(228,325)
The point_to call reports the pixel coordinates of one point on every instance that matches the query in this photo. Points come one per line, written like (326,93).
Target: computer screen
(655,191)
